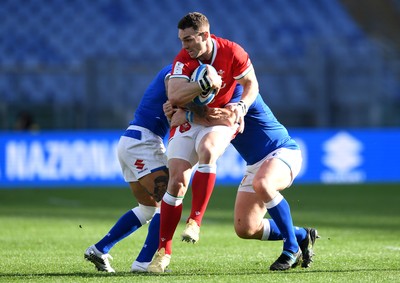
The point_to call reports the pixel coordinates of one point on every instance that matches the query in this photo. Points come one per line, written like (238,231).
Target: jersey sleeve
(242,62)
(183,66)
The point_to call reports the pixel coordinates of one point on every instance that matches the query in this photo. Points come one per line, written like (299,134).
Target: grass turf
(44,232)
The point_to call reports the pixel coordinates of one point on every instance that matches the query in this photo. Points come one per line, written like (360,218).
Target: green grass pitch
(44,232)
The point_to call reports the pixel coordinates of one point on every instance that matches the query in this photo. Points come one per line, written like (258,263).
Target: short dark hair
(193,20)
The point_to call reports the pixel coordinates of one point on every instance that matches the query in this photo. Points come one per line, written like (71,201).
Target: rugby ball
(208,94)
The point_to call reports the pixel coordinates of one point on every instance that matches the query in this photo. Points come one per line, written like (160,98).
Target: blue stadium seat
(278,34)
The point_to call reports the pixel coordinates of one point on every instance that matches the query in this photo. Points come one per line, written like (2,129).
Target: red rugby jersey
(229,59)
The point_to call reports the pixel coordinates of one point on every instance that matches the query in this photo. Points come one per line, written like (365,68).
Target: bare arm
(250,92)
(181,91)
(250,88)
(209,117)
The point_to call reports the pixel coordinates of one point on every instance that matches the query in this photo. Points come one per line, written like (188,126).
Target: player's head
(195,20)
(194,33)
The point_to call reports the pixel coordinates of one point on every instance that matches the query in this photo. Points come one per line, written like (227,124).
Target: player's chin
(193,54)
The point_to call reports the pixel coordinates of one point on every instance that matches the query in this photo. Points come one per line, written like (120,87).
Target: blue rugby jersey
(262,134)
(150,114)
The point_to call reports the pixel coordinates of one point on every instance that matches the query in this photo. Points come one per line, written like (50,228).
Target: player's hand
(240,110)
(214,113)
(178,118)
(168,110)
(214,79)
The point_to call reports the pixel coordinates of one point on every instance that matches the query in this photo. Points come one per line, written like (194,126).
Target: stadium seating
(56,51)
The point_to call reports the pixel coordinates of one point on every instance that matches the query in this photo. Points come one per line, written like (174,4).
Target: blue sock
(280,213)
(275,233)
(300,233)
(151,244)
(125,226)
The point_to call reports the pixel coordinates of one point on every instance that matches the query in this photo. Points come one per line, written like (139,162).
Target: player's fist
(215,80)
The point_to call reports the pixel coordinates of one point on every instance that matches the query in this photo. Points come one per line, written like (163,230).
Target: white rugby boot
(191,233)
(100,260)
(160,262)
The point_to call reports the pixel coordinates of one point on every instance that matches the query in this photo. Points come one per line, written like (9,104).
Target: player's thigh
(181,147)
(211,142)
(141,195)
(277,170)
(249,212)
(139,158)
(273,175)
(181,159)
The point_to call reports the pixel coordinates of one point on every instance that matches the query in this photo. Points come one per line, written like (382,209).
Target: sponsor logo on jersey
(178,69)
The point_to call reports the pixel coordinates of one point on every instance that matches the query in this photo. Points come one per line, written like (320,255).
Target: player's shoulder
(183,65)
(166,69)
(223,43)
(183,56)
(162,74)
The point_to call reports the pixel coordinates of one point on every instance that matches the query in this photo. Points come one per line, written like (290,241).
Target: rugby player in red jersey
(191,143)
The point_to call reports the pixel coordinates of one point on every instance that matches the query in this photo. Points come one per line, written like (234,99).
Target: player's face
(194,42)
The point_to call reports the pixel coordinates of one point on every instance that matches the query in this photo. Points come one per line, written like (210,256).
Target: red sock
(202,188)
(169,219)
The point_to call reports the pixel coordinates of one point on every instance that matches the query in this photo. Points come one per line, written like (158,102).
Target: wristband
(243,106)
(189,116)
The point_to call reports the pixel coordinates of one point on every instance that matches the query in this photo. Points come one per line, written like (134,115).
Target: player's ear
(205,35)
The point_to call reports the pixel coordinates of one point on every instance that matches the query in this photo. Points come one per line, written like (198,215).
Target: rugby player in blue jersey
(273,161)
(143,161)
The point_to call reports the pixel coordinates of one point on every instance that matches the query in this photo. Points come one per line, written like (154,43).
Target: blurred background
(77,70)
(85,64)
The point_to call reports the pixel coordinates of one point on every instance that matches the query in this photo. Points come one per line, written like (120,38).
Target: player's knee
(205,155)
(242,233)
(144,213)
(176,186)
(207,152)
(264,186)
(245,230)
(259,184)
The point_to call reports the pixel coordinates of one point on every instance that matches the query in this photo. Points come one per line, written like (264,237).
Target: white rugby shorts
(291,157)
(185,139)
(140,152)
